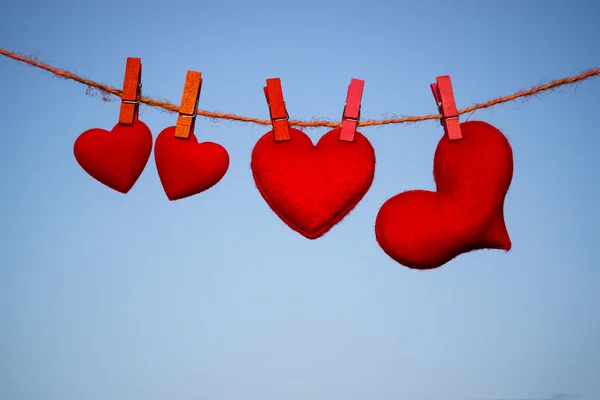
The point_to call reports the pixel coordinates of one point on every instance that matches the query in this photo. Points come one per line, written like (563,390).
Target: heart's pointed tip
(507,245)
(423,267)
(122,191)
(497,237)
(311,235)
(175,197)
(500,243)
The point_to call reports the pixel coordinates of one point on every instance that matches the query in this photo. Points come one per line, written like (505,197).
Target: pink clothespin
(444,97)
(351,115)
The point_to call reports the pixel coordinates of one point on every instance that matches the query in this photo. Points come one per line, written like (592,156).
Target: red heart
(312,188)
(115,158)
(186,167)
(424,230)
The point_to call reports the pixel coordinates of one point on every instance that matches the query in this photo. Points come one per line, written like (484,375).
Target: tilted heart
(423,230)
(312,188)
(117,157)
(186,167)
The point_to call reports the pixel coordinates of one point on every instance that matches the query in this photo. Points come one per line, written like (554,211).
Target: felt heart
(186,167)
(423,230)
(312,188)
(117,157)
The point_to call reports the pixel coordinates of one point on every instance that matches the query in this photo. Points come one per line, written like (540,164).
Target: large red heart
(424,230)
(115,158)
(312,188)
(186,167)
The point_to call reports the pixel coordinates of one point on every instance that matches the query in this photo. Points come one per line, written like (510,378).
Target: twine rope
(109,90)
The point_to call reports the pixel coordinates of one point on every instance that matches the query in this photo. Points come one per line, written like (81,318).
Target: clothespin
(189,105)
(351,115)
(444,97)
(277,110)
(132,89)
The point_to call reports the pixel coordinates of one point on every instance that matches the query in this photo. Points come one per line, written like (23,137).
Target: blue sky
(106,296)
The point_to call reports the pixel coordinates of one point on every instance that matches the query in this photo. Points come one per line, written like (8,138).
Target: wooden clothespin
(132,90)
(277,110)
(189,105)
(351,115)
(444,97)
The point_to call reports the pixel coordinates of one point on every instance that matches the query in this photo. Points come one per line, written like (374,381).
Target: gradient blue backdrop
(105,296)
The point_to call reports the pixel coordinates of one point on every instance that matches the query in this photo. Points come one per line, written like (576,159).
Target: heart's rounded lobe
(186,167)
(424,230)
(115,158)
(311,188)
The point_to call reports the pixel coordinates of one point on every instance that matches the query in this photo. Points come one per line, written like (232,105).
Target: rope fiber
(106,89)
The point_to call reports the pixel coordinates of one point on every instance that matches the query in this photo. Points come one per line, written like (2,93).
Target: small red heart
(186,167)
(117,157)
(423,230)
(312,188)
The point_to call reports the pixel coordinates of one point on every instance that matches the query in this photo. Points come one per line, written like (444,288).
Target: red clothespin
(189,105)
(444,97)
(132,89)
(277,110)
(351,115)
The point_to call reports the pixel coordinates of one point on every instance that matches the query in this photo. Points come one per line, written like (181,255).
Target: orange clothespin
(444,97)
(132,90)
(277,110)
(351,115)
(189,105)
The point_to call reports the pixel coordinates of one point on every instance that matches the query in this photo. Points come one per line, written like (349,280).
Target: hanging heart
(186,167)
(423,230)
(312,188)
(115,158)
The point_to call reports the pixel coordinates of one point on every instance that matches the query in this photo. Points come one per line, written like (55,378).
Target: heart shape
(186,167)
(424,230)
(312,188)
(115,158)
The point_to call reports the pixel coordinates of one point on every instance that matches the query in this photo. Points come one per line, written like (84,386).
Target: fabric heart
(423,230)
(312,188)
(115,158)
(186,167)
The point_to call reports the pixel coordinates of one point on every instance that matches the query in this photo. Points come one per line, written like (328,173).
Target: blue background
(106,296)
